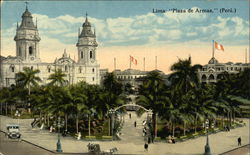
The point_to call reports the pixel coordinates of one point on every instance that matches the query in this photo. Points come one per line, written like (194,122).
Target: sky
(125,28)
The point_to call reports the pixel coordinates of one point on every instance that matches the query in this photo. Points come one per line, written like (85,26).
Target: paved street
(132,141)
(14,147)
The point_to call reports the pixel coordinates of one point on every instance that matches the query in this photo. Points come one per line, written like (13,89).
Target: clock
(32,58)
(92,60)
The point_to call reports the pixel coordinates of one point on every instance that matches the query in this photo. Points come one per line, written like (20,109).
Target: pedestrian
(135,124)
(146,147)
(239,141)
(51,129)
(130,115)
(79,136)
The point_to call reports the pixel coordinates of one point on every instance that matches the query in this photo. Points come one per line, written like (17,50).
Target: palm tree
(184,75)
(28,78)
(111,84)
(57,78)
(79,99)
(151,95)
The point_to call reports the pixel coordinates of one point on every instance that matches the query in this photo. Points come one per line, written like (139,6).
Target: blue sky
(104,10)
(130,23)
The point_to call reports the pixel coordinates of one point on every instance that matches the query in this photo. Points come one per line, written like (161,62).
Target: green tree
(57,78)
(151,95)
(28,78)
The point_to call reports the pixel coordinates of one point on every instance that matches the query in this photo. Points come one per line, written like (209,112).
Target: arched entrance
(114,111)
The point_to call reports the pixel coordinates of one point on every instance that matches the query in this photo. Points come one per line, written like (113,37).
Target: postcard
(124,77)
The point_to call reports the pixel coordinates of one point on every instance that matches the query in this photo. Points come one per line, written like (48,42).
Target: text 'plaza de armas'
(86,68)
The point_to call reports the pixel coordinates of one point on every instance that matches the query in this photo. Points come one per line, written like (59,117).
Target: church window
(93,70)
(81,54)
(93,79)
(80,69)
(12,67)
(30,50)
(31,67)
(49,70)
(91,54)
(66,68)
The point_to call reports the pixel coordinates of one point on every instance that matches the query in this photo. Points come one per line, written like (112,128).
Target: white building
(214,70)
(28,55)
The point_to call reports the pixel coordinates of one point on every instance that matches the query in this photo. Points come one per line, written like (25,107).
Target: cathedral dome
(26,13)
(86,23)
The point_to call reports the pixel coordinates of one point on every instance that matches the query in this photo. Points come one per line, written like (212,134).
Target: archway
(147,119)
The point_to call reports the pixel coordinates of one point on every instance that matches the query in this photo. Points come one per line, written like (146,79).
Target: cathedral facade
(27,39)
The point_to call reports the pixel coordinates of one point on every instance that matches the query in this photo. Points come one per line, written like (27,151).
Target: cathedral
(27,39)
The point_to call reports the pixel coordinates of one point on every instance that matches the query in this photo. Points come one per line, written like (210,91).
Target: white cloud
(150,28)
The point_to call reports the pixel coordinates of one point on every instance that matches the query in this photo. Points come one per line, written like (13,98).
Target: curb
(235,149)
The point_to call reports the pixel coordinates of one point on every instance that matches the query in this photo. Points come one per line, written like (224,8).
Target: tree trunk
(6,109)
(184,128)
(1,108)
(40,117)
(66,122)
(48,120)
(173,129)
(45,118)
(233,116)
(230,118)
(195,126)
(89,125)
(154,123)
(11,111)
(77,123)
(29,110)
(223,125)
(109,126)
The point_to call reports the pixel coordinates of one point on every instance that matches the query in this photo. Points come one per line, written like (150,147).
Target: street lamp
(58,144)
(17,114)
(112,112)
(207,147)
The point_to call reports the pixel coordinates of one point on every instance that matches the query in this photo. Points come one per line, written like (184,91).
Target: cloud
(146,29)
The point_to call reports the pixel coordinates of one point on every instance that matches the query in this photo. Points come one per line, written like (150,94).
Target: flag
(218,46)
(133,60)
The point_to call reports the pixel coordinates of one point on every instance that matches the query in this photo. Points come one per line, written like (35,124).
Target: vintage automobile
(13,131)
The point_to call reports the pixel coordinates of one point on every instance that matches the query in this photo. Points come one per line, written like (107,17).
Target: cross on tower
(86,14)
(26,4)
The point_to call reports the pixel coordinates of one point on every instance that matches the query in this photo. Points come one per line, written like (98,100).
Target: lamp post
(207,147)
(58,144)
(112,112)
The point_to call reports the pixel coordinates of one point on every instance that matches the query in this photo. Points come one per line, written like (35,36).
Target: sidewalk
(132,142)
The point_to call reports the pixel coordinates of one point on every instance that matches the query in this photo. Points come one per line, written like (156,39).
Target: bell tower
(27,39)
(86,44)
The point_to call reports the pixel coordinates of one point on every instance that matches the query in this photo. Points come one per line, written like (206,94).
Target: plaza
(131,139)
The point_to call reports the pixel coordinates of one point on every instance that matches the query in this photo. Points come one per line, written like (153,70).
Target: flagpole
(246,56)
(144,64)
(130,62)
(114,64)
(249,56)
(155,62)
(213,50)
